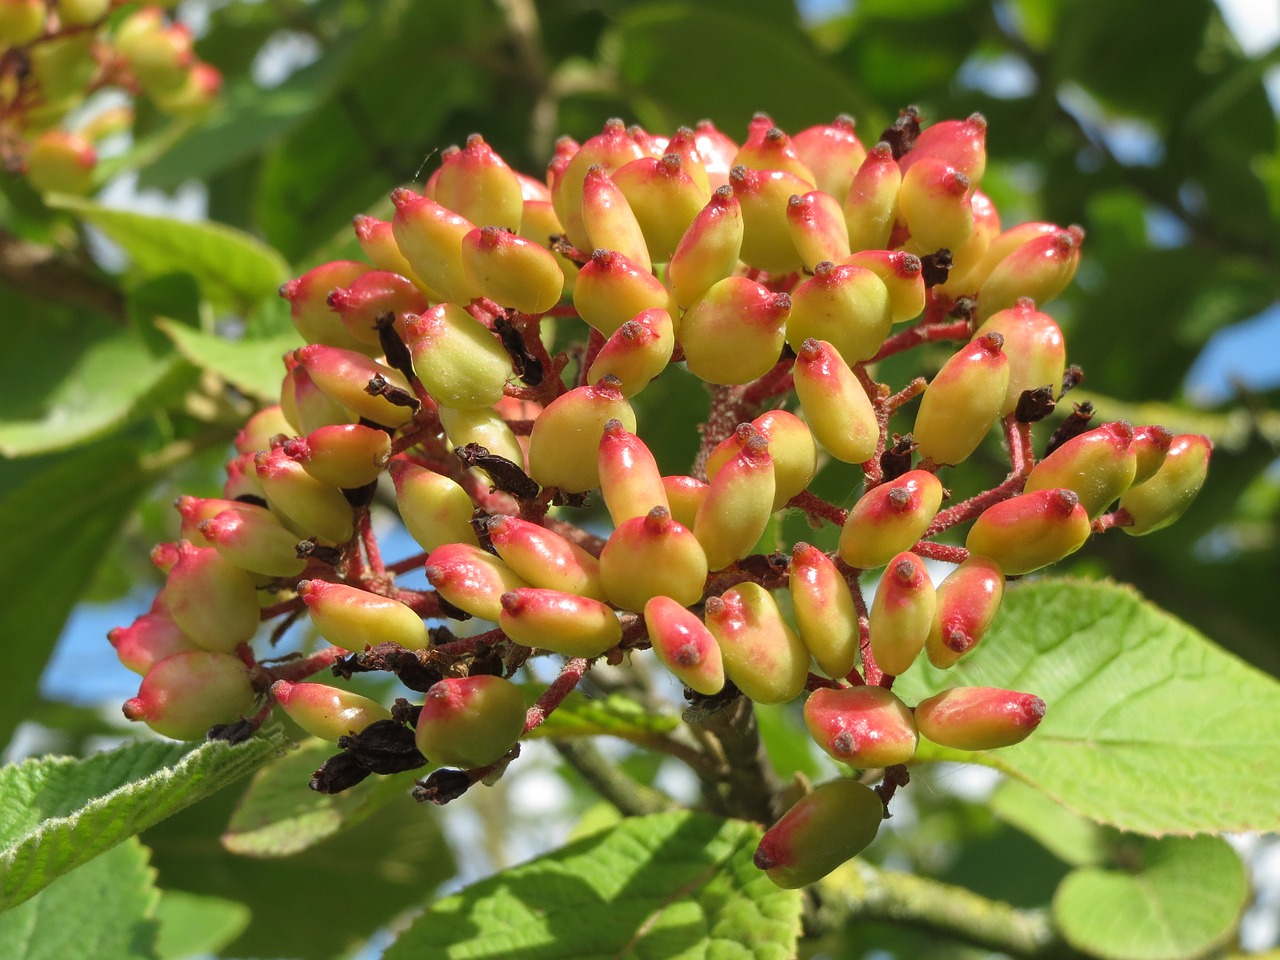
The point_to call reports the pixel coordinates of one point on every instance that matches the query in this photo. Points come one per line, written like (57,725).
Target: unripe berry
(611,148)
(835,405)
(258,543)
(1030,531)
(652,145)
(817,228)
(968,600)
(652,556)
(565,443)
(684,494)
(540,225)
(377,240)
(195,510)
(159,54)
(1159,501)
(684,645)
(1040,269)
(979,718)
(933,200)
(862,726)
(968,276)
(182,696)
(512,271)
(769,148)
(761,654)
(820,832)
(61,162)
(261,429)
(847,306)
(343,455)
(735,333)
(342,375)
(434,509)
(477,183)
(609,220)
(833,152)
(1034,347)
(430,238)
(368,297)
(470,721)
(486,427)
(964,277)
(1097,465)
(664,198)
(563,623)
(763,196)
(717,152)
(213,601)
(684,142)
(890,518)
(708,251)
(962,401)
(902,613)
(242,479)
(471,579)
(636,352)
(738,505)
(21,21)
(903,276)
(459,360)
(791,445)
(149,639)
(610,290)
(824,610)
(352,618)
(546,559)
(1151,444)
(871,205)
(196,96)
(305,505)
(630,481)
(959,143)
(327,712)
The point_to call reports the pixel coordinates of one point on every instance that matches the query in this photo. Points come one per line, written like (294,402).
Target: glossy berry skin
(824,610)
(1151,444)
(307,506)
(477,183)
(342,455)
(342,375)
(979,718)
(561,622)
(149,639)
(835,405)
(820,832)
(766,238)
(368,297)
(833,152)
(1030,531)
(565,443)
(471,579)
(213,601)
(684,645)
(1097,465)
(1161,500)
(684,495)
(847,306)
(791,446)
(544,558)
(738,311)
(185,694)
(862,726)
(1034,346)
(665,199)
(762,655)
(962,401)
(738,504)
(902,613)
(434,508)
(651,556)
(470,722)
(968,600)
(258,544)
(512,271)
(960,143)
(871,205)
(459,360)
(636,352)
(889,518)
(1040,269)
(430,238)
(352,618)
(308,298)
(609,220)
(903,276)
(327,712)
(817,226)
(610,289)
(709,249)
(933,200)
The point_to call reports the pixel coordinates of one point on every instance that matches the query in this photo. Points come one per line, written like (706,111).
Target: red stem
(571,675)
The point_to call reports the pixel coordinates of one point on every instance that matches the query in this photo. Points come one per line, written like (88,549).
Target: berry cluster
(54,53)
(779,272)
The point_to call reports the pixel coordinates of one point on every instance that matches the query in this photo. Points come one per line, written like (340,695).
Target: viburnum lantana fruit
(780,271)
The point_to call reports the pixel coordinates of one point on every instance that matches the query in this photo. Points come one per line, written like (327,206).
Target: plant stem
(867,892)
(751,789)
(606,778)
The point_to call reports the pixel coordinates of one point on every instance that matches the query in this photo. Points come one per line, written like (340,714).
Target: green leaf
(1068,836)
(192,926)
(1181,897)
(321,903)
(232,268)
(672,885)
(1150,727)
(57,813)
(251,366)
(57,522)
(615,715)
(102,910)
(278,817)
